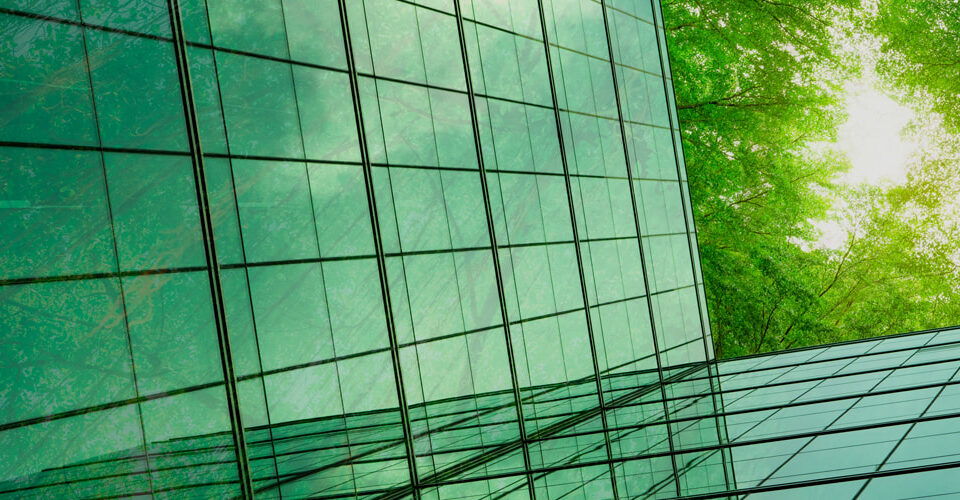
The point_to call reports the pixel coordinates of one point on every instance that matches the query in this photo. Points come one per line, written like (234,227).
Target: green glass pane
(488,361)
(142,16)
(566,281)
(584,133)
(533,75)
(434,296)
(355,305)
(69,342)
(394,39)
(326,115)
(596,204)
(45,91)
(172,331)
(421,217)
(606,270)
(629,251)
(155,216)
(367,383)
(223,210)
(259,105)
(612,143)
(253,408)
(555,208)
(575,341)
(313,29)
(43,447)
(445,369)
(56,8)
(452,127)
(190,414)
(194,16)
(397,281)
(465,212)
(521,205)
(305,393)
(373,128)
(574,70)
(479,300)
(250,27)
(54,214)
(541,343)
(290,311)
(498,59)
(635,96)
(275,212)
(243,340)
(532,277)
(511,139)
(206,95)
(407,124)
(340,205)
(386,212)
(137,91)
(441,49)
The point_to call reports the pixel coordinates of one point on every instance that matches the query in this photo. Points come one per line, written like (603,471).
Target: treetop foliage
(760,84)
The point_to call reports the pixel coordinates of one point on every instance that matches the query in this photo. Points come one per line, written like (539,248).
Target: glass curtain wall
(866,419)
(355,248)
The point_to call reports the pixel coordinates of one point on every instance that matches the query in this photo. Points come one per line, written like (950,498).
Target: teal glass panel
(223,209)
(74,355)
(172,331)
(326,115)
(139,104)
(45,90)
(341,210)
(356,307)
(259,106)
(290,310)
(394,39)
(154,208)
(142,16)
(206,94)
(275,210)
(232,22)
(196,27)
(55,8)
(313,32)
(41,204)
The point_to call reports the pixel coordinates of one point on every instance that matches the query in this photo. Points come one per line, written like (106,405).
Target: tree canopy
(759,88)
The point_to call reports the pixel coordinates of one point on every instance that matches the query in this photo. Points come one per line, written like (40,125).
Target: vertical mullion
(378,246)
(688,221)
(576,246)
(494,248)
(243,248)
(210,251)
(643,260)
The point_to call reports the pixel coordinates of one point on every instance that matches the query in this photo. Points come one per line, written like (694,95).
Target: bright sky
(871,137)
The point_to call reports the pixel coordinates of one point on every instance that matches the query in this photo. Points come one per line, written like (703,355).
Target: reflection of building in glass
(425,282)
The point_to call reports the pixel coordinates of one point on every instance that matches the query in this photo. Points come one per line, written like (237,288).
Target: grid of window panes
(453,253)
(869,419)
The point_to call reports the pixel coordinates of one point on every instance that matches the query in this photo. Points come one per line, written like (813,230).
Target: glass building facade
(391,249)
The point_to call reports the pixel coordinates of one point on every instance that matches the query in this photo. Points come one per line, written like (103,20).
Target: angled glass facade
(390,249)
(867,419)
(320,248)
